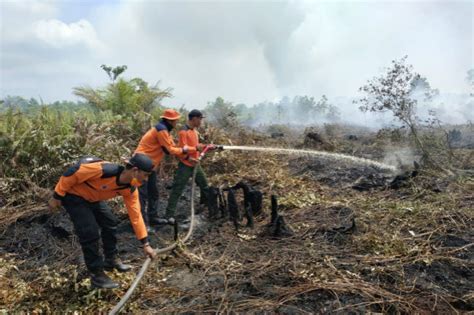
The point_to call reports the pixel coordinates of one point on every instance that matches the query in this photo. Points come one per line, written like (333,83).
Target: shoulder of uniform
(185,128)
(72,170)
(89,160)
(160,127)
(110,169)
(86,161)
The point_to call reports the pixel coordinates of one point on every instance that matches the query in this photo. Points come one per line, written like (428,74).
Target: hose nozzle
(213,147)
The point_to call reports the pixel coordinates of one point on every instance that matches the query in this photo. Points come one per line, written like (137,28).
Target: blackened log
(175,228)
(274,209)
(213,202)
(281,228)
(233,208)
(252,197)
(222,204)
(249,216)
(246,189)
(256,199)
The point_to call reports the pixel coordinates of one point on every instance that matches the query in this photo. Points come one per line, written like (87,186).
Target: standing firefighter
(155,144)
(188,136)
(82,191)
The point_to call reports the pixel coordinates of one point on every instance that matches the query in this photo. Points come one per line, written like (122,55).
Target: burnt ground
(404,250)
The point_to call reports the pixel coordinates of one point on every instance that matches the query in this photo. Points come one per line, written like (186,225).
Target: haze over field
(245,52)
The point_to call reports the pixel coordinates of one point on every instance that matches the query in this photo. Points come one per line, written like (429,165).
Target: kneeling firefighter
(82,191)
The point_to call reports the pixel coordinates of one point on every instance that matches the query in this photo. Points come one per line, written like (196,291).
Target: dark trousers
(93,221)
(149,196)
(181,178)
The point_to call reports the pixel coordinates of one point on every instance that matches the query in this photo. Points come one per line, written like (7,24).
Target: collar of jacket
(117,178)
(167,124)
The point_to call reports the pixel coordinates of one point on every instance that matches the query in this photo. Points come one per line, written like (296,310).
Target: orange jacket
(157,142)
(98,181)
(190,137)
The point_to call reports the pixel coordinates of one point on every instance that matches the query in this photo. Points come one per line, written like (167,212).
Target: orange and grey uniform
(190,137)
(83,189)
(155,144)
(187,137)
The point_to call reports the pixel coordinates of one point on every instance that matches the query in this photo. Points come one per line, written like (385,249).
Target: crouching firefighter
(82,191)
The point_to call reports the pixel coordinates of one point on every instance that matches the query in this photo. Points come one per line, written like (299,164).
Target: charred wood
(281,229)
(274,209)
(249,217)
(213,202)
(252,197)
(222,204)
(233,207)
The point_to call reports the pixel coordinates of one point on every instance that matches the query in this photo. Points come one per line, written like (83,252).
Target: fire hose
(159,251)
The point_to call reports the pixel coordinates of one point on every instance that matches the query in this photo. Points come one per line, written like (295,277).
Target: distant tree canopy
(221,113)
(123,96)
(18,103)
(299,110)
(32,105)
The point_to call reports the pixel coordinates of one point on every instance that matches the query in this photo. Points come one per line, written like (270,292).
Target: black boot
(203,200)
(157,221)
(100,280)
(115,263)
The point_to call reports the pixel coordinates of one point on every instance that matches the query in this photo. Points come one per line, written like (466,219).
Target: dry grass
(410,252)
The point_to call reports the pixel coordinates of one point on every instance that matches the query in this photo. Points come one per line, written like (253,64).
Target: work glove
(200,147)
(213,147)
(188,149)
(54,203)
(149,251)
(193,161)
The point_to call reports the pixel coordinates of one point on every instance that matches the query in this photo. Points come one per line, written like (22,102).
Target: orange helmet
(170,114)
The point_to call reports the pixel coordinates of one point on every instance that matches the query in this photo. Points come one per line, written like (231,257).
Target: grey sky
(243,51)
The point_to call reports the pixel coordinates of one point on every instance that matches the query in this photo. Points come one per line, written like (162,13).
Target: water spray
(324,154)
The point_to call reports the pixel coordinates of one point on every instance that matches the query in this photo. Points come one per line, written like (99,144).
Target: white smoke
(400,157)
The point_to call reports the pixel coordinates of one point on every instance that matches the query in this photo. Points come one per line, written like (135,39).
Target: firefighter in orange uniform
(155,144)
(188,136)
(82,191)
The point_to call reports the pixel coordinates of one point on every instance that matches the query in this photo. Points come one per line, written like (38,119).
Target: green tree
(113,73)
(327,110)
(333,113)
(19,103)
(305,108)
(395,91)
(123,96)
(322,106)
(221,113)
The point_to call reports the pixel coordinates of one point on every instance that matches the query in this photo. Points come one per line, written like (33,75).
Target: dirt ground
(352,250)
